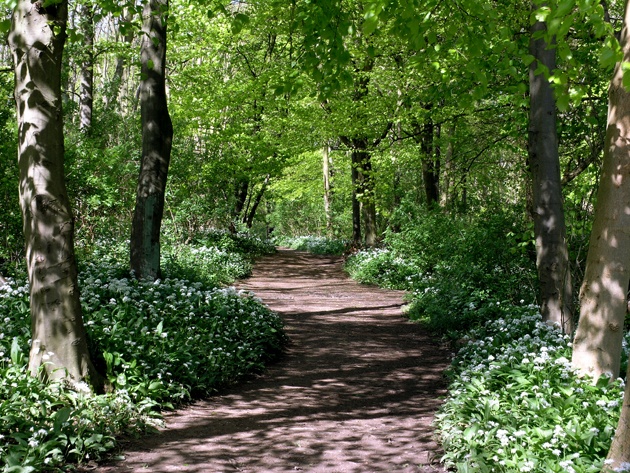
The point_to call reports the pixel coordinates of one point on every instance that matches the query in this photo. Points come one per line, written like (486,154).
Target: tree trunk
(356,204)
(327,189)
(157,138)
(86,94)
(117,93)
(363,182)
(619,451)
(552,257)
(369,204)
(448,169)
(59,347)
(430,172)
(249,221)
(597,343)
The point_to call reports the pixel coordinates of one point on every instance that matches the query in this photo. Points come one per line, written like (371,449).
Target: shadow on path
(356,392)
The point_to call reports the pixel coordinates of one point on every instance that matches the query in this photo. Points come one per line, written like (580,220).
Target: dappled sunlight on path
(356,392)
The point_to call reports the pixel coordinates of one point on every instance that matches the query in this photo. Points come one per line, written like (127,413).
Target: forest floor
(355,393)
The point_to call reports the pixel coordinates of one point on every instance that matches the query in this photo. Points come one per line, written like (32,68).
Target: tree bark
(597,343)
(552,257)
(157,138)
(327,189)
(59,347)
(356,204)
(249,221)
(86,94)
(430,166)
(363,182)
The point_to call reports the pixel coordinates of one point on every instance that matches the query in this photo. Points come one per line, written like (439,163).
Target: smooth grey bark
(86,93)
(59,347)
(157,139)
(598,339)
(552,256)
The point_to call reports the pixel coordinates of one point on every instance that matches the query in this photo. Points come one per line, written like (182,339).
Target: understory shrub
(515,404)
(314,244)
(160,343)
(455,268)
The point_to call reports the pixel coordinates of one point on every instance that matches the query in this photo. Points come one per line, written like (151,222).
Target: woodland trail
(356,392)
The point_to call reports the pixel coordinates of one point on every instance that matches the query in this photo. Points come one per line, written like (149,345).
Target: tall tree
(552,256)
(59,341)
(598,339)
(619,106)
(157,139)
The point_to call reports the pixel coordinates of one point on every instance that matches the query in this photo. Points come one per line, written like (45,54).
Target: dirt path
(356,392)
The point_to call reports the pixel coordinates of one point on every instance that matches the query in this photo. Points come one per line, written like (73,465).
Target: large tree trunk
(552,257)
(86,94)
(59,342)
(157,138)
(597,343)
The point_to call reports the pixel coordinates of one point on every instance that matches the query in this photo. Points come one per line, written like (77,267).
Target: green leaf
(5,25)
(565,7)
(562,102)
(17,357)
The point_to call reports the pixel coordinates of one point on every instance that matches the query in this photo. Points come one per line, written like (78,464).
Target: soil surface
(356,392)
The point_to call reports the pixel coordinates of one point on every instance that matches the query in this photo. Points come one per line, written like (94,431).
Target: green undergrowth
(454,268)
(513,403)
(161,344)
(314,244)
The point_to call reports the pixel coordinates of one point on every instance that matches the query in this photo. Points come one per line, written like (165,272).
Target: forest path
(356,392)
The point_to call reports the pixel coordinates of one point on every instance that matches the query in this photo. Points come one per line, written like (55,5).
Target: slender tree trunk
(597,343)
(117,93)
(364,184)
(430,169)
(552,257)
(327,188)
(252,212)
(240,194)
(356,204)
(448,168)
(59,341)
(86,94)
(369,204)
(157,138)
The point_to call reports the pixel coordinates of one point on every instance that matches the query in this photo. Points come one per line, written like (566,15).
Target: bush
(456,269)
(515,404)
(160,343)
(314,244)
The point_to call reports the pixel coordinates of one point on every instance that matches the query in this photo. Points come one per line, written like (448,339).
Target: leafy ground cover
(514,404)
(161,343)
(314,244)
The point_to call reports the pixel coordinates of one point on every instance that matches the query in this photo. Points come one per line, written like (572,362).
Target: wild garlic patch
(515,404)
(160,343)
